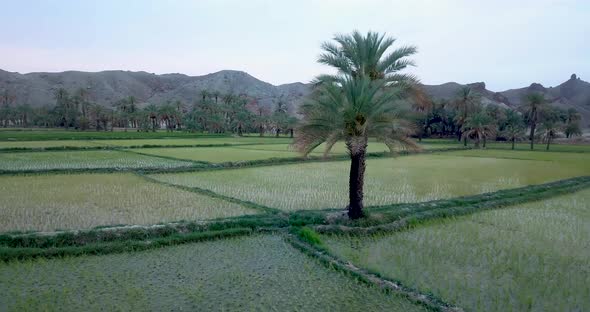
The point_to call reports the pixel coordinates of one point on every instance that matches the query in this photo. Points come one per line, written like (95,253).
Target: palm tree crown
(353,108)
(479,126)
(358,55)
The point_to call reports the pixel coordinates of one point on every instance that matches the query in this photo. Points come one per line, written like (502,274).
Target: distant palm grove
(465,117)
(213,112)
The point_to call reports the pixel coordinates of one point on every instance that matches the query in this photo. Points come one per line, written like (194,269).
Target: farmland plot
(194,141)
(530,257)
(217,154)
(80,201)
(251,273)
(83,160)
(398,180)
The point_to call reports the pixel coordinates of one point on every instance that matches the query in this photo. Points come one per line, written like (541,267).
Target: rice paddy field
(81,201)
(194,141)
(388,180)
(530,257)
(253,273)
(224,223)
(217,154)
(248,152)
(35,161)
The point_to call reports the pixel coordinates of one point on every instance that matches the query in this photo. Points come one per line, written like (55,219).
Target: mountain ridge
(107,87)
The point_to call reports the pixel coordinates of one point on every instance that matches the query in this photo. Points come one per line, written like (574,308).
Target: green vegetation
(258,273)
(63,160)
(309,236)
(527,257)
(81,201)
(399,180)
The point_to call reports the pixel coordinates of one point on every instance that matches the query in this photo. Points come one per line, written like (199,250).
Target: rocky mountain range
(573,93)
(107,87)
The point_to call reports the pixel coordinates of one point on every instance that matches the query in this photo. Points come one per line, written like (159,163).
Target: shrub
(309,235)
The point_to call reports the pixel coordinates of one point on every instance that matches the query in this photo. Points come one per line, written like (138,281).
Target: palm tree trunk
(533,126)
(548,142)
(357,177)
(532,136)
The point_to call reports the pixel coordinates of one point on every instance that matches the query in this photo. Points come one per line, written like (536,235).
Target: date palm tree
(152,112)
(532,106)
(514,126)
(362,100)
(572,123)
(63,102)
(550,128)
(465,103)
(479,126)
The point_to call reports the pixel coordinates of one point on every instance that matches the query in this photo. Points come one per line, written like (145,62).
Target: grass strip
(121,233)
(8,254)
(330,261)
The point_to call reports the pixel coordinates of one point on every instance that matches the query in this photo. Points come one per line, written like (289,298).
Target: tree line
(213,112)
(466,118)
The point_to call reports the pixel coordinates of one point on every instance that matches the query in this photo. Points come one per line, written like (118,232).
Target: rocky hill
(573,93)
(109,86)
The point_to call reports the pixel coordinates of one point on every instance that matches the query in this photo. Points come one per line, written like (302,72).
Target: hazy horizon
(506,45)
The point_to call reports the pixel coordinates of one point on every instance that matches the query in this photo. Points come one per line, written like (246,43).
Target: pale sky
(506,43)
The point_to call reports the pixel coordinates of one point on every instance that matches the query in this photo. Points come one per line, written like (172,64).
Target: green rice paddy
(530,257)
(81,201)
(252,273)
(577,160)
(195,141)
(388,180)
(216,154)
(20,161)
